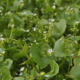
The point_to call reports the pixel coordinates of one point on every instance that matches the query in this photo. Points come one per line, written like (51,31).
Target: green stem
(28,58)
(25,51)
(70,64)
(62,63)
(11,32)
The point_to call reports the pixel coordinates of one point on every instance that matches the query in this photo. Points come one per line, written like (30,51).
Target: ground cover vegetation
(39,39)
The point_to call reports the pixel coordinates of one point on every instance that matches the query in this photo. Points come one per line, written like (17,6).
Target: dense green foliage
(39,39)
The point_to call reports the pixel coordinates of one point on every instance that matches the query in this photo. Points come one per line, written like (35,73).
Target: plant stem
(28,58)
(69,64)
(25,52)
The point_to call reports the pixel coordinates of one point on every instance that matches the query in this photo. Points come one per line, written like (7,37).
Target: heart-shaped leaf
(8,63)
(59,28)
(5,74)
(60,49)
(22,53)
(54,70)
(15,5)
(39,53)
(75,73)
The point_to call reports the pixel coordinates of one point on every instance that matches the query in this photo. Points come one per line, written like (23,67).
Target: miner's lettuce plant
(39,39)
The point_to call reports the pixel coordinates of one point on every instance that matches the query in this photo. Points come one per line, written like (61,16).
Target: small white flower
(52,20)
(27,31)
(29,46)
(49,50)
(44,31)
(1,35)
(9,12)
(67,13)
(34,29)
(12,25)
(49,19)
(36,43)
(60,39)
(0,10)
(71,8)
(24,13)
(22,69)
(77,22)
(31,21)
(36,8)
(3,51)
(72,54)
(34,40)
(22,1)
(69,34)
(20,73)
(60,8)
(54,7)
(2,39)
(34,14)
(49,22)
(64,79)
(31,43)
(47,75)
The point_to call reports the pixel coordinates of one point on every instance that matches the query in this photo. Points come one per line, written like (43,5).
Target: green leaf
(29,61)
(1,50)
(18,21)
(54,70)
(7,33)
(34,73)
(59,28)
(8,63)
(1,8)
(18,78)
(14,48)
(43,22)
(18,32)
(4,72)
(77,61)
(39,53)
(15,5)
(60,50)
(75,73)
(17,18)
(58,2)
(71,18)
(76,38)
(22,53)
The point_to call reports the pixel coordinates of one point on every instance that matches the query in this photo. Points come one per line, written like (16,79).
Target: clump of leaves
(39,40)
